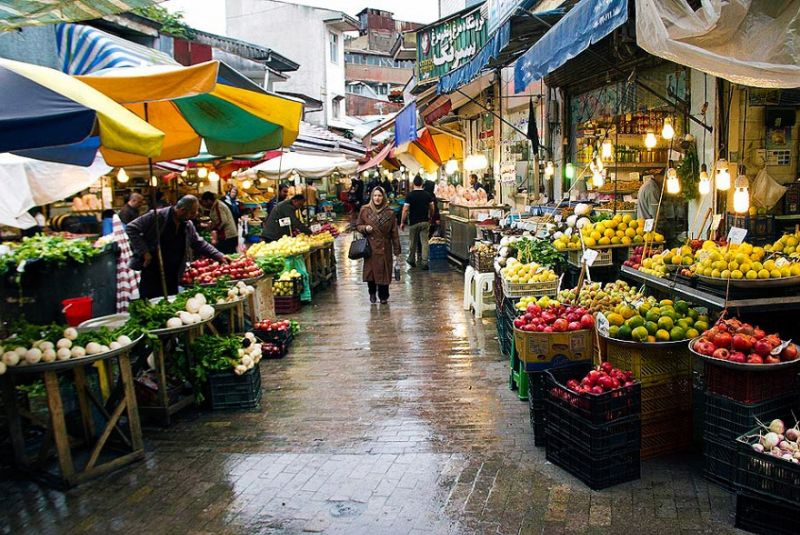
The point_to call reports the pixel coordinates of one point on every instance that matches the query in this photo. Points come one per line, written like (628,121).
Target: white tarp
(25,183)
(748,42)
(305,165)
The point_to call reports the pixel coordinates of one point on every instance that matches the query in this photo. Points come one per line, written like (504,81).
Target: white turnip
(70,333)
(777,426)
(123,340)
(92,348)
(49,355)
(11,358)
(64,353)
(64,342)
(33,355)
(78,352)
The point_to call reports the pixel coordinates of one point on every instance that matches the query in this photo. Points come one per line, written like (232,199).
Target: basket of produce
(437,250)
(286,246)
(743,266)
(270,264)
(274,331)
(528,280)
(207,271)
(552,336)
(769,462)
(289,284)
(604,258)
(481,258)
(228,368)
(619,230)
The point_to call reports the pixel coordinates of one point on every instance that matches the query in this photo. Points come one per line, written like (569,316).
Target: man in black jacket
(273,230)
(177,236)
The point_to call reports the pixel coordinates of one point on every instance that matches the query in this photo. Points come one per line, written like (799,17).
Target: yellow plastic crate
(530,289)
(655,363)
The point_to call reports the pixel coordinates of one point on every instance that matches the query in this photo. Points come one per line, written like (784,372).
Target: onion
(792,434)
(49,355)
(250,336)
(113,346)
(33,355)
(200,298)
(2,367)
(777,426)
(123,340)
(92,348)
(758,447)
(78,351)
(70,333)
(206,312)
(239,369)
(192,305)
(174,323)
(770,440)
(21,351)
(247,360)
(10,358)
(64,353)
(44,346)
(64,342)
(185,317)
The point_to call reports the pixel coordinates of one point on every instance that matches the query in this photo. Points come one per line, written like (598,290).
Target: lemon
(795,270)
(626,240)
(605,240)
(786,271)
(725,274)
(615,319)
(666,323)
(736,274)
(763,274)
(751,274)
(775,273)
(692,333)
(590,242)
(662,335)
(769,265)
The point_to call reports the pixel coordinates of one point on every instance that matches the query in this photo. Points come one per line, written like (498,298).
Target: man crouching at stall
(177,234)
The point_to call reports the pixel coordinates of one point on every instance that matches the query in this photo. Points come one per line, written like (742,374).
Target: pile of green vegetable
(530,250)
(148,316)
(270,264)
(53,249)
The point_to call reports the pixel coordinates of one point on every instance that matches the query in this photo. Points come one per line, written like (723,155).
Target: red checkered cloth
(127,279)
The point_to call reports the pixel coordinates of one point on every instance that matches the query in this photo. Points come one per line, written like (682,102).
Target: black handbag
(359,248)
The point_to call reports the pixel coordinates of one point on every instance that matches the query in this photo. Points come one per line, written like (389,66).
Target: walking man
(417,212)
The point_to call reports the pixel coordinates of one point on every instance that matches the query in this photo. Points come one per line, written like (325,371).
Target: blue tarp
(470,70)
(584,25)
(405,125)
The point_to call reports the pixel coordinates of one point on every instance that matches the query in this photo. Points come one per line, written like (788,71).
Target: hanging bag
(359,248)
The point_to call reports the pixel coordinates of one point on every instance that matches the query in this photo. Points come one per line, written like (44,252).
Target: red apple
(739,357)
(772,360)
(762,347)
(587,321)
(574,326)
(560,325)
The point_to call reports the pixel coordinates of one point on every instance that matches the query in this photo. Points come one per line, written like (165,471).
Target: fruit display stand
(98,442)
(263,300)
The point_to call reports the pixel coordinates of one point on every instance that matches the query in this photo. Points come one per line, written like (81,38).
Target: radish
(758,447)
(44,346)
(174,323)
(10,358)
(777,426)
(123,340)
(64,342)
(70,333)
(64,353)
(49,355)
(33,355)
(113,346)
(92,348)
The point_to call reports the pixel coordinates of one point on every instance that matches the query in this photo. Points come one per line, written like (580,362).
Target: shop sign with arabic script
(445,46)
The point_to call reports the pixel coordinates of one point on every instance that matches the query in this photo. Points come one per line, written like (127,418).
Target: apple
(587,322)
(574,326)
(560,325)
(762,347)
(772,359)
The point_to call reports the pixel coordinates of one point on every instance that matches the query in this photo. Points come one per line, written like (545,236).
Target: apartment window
(333,41)
(336,107)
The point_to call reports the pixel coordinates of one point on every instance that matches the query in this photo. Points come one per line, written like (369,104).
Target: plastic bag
(397,269)
(765,192)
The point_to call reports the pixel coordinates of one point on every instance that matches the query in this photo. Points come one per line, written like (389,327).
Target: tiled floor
(382,419)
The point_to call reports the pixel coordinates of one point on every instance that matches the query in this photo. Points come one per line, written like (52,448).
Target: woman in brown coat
(378,223)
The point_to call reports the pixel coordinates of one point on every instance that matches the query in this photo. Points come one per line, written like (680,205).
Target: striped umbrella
(42,107)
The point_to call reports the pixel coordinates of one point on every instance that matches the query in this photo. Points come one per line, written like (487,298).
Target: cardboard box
(540,351)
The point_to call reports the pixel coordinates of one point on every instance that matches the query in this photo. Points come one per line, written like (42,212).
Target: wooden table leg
(14,422)
(83,402)
(126,377)
(59,424)
(163,389)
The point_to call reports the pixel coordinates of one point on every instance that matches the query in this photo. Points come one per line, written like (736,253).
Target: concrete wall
(301,33)
(360,105)
(373,73)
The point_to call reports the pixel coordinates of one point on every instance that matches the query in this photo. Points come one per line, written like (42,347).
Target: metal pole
(153,188)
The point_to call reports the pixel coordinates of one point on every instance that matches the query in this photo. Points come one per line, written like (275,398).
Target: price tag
(637,304)
(736,235)
(496,214)
(602,324)
(648,225)
(542,234)
(715,221)
(285,222)
(589,256)
(560,280)
(780,262)
(558,217)
(778,350)
(328,208)
(316,228)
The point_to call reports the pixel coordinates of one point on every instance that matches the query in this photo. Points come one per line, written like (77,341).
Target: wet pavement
(392,419)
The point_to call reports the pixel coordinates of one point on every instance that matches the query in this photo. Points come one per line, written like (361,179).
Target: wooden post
(83,402)
(14,423)
(126,377)
(59,427)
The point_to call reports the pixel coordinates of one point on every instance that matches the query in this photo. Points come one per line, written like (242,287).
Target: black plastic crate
(595,441)
(437,251)
(724,419)
(719,462)
(274,350)
(277,337)
(777,479)
(761,514)
(230,391)
(287,305)
(598,473)
(594,408)
(537,424)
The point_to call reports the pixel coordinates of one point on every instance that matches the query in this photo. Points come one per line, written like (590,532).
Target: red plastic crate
(747,386)
(287,305)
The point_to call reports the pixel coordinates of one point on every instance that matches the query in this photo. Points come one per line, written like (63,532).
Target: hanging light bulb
(722,179)
(262,180)
(667,132)
(650,140)
(365,174)
(202,172)
(184,173)
(213,176)
(673,184)
(549,170)
(247,184)
(154,181)
(451,166)
(598,178)
(235,174)
(402,168)
(704,186)
(741,195)
(569,171)
(122,176)
(607,149)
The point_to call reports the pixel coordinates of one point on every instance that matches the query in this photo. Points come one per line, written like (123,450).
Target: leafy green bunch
(540,251)
(49,249)
(270,264)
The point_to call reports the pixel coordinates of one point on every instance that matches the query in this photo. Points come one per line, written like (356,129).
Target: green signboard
(447,45)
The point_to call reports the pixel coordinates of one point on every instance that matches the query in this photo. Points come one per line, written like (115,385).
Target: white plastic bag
(765,192)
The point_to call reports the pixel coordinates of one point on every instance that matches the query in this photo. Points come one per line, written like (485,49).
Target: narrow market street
(382,419)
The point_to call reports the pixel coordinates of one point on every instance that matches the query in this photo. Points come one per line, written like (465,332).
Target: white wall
(699,84)
(299,33)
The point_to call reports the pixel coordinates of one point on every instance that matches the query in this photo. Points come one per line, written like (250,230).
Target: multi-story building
(448,7)
(372,70)
(315,37)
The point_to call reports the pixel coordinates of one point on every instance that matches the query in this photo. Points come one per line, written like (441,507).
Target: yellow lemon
(775,273)
(763,274)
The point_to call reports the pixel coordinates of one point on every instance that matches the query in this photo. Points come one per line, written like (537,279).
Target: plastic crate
(278,337)
(621,434)
(537,417)
(666,398)
(230,391)
(437,251)
(294,287)
(530,289)
(762,473)
(287,305)
(650,363)
(725,420)
(666,435)
(605,258)
(760,228)
(593,408)
(598,473)
(481,264)
(747,386)
(760,514)
(274,350)
(719,462)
